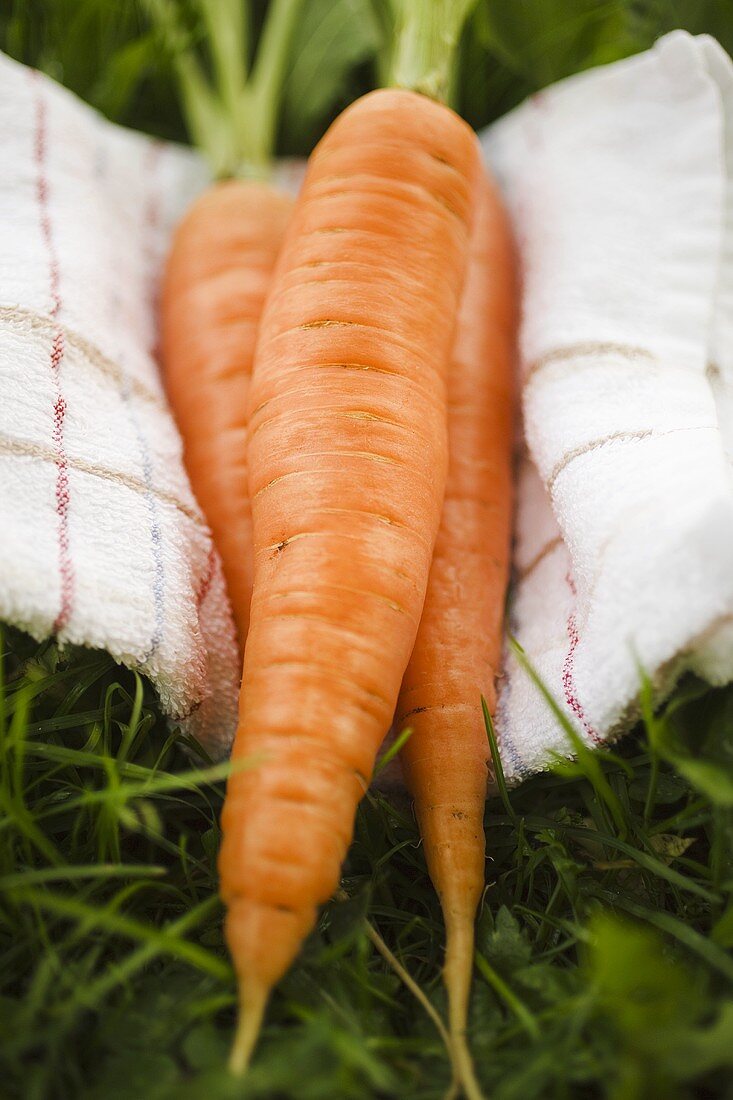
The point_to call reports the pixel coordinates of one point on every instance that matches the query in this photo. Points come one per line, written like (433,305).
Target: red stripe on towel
(568,673)
(207,577)
(66,565)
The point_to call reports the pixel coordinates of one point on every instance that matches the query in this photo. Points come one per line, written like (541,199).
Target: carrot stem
(263,93)
(232,119)
(427,34)
(227,31)
(202,108)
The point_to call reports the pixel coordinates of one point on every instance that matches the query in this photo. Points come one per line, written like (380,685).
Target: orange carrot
(221,263)
(216,280)
(347,466)
(447,759)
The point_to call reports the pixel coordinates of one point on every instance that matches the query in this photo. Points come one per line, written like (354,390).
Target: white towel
(620,185)
(101,540)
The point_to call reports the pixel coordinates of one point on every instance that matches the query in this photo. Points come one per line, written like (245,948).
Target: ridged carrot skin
(348,459)
(447,758)
(215,284)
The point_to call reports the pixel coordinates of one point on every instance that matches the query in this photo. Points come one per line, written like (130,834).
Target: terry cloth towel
(620,185)
(101,540)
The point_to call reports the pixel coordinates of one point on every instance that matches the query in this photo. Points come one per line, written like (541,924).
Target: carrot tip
(457,975)
(251,1014)
(463,1067)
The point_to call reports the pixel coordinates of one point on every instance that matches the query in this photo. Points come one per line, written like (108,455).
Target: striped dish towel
(620,184)
(102,541)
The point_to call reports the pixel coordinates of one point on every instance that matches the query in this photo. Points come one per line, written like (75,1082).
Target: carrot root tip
(251,1014)
(457,974)
(463,1067)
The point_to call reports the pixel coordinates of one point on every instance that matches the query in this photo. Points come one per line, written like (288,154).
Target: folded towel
(102,541)
(620,185)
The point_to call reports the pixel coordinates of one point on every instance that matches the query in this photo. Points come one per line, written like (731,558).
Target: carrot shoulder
(447,759)
(347,467)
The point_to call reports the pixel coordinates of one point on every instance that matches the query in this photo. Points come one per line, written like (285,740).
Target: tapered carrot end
(263,941)
(457,974)
(463,1068)
(252,1003)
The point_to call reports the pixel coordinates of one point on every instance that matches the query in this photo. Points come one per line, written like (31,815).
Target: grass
(605,950)
(604,964)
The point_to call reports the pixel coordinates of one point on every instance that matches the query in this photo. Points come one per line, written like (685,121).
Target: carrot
(216,279)
(347,467)
(446,759)
(219,269)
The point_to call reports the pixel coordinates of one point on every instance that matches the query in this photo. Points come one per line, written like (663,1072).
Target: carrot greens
(233,117)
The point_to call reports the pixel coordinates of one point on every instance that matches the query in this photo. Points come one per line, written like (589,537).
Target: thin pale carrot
(447,759)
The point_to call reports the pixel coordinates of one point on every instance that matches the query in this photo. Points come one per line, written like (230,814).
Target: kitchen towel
(101,540)
(619,182)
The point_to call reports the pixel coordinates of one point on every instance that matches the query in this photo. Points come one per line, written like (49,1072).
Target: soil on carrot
(604,964)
